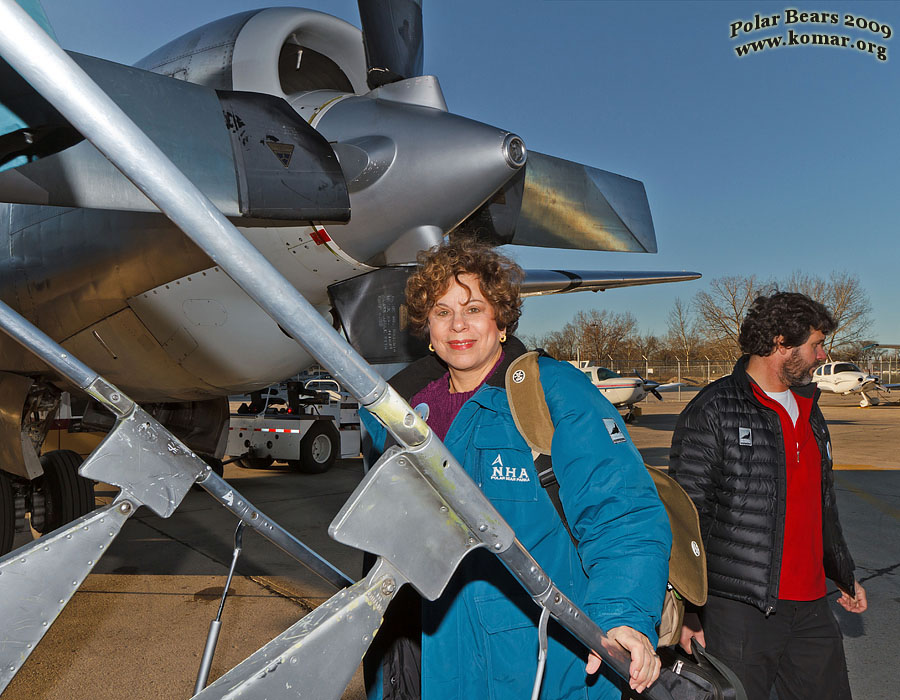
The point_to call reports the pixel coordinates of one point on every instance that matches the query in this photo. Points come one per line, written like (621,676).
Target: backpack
(687,561)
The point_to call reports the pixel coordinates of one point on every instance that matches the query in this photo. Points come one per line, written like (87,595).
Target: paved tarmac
(137,626)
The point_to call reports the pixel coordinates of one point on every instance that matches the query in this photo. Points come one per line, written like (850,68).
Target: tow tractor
(305,425)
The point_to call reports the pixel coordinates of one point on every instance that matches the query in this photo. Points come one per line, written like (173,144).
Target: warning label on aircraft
(320,236)
(282,151)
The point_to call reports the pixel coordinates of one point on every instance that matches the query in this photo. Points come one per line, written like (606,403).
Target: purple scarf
(442,405)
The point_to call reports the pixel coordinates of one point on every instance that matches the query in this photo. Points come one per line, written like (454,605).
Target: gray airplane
(331,152)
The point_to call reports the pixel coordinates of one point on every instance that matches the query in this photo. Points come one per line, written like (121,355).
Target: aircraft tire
(7,515)
(318,449)
(255,462)
(67,494)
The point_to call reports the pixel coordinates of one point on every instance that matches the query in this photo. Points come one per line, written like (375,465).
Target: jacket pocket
(510,645)
(505,465)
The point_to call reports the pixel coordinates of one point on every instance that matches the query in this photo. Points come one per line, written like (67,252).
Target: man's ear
(779,344)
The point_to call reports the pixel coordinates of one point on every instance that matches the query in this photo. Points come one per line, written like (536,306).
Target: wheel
(67,494)
(318,448)
(255,462)
(7,515)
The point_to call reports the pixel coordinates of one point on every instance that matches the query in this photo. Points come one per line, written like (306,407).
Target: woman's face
(463,330)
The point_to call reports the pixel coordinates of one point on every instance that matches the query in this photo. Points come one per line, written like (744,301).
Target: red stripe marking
(320,236)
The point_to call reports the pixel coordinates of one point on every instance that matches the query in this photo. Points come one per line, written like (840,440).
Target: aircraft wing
(542,282)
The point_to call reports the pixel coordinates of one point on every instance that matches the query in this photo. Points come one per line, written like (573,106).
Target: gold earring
(430,347)
(503,337)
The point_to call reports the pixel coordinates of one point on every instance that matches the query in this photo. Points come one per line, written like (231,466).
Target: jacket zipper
(772,589)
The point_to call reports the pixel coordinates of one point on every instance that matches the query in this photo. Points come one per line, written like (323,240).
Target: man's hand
(854,603)
(645,664)
(691,629)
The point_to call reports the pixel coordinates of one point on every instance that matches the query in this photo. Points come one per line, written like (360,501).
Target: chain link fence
(696,372)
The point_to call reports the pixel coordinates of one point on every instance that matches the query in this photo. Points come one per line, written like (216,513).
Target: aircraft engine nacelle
(396,143)
(281,51)
(244,147)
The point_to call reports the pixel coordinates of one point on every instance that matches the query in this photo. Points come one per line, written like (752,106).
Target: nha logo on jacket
(500,472)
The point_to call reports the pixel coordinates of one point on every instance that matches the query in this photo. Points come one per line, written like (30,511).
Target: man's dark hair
(788,314)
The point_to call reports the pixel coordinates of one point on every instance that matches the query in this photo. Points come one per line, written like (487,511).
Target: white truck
(308,427)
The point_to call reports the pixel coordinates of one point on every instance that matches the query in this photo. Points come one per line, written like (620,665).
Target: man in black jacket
(752,451)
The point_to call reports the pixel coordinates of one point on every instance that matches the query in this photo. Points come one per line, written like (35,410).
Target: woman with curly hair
(479,639)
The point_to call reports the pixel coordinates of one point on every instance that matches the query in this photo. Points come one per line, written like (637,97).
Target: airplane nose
(413,172)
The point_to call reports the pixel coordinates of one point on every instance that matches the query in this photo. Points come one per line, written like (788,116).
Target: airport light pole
(678,360)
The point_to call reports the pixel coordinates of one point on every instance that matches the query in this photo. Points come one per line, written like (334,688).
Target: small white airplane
(847,378)
(622,392)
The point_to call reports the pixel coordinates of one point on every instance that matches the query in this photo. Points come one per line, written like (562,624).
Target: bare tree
(531,341)
(848,302)
(640,351)
(603,333)
(560,344)
(591,335)
(683,332)
(850,307)
(721,310)
(646,345)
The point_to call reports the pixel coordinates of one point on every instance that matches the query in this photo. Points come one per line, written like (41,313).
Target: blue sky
(781,160)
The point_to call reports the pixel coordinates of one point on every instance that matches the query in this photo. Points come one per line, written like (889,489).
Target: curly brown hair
(788,314)
(499,278)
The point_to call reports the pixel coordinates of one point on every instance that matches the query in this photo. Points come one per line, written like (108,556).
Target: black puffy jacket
(739,488)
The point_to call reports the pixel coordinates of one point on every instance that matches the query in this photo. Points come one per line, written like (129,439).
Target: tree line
(706,327)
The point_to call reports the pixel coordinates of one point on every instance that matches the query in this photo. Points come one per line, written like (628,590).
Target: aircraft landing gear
(867,400)
(632,414)
(61,494)
(58,496)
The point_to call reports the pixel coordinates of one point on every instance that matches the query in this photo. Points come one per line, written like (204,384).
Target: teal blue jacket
(479,638)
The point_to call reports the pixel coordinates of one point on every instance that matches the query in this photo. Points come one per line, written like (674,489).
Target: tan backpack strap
(687,561)
(528,404)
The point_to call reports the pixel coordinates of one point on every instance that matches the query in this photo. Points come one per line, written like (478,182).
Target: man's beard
(796,371)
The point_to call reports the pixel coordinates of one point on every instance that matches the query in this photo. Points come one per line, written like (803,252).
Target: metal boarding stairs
(445,516)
